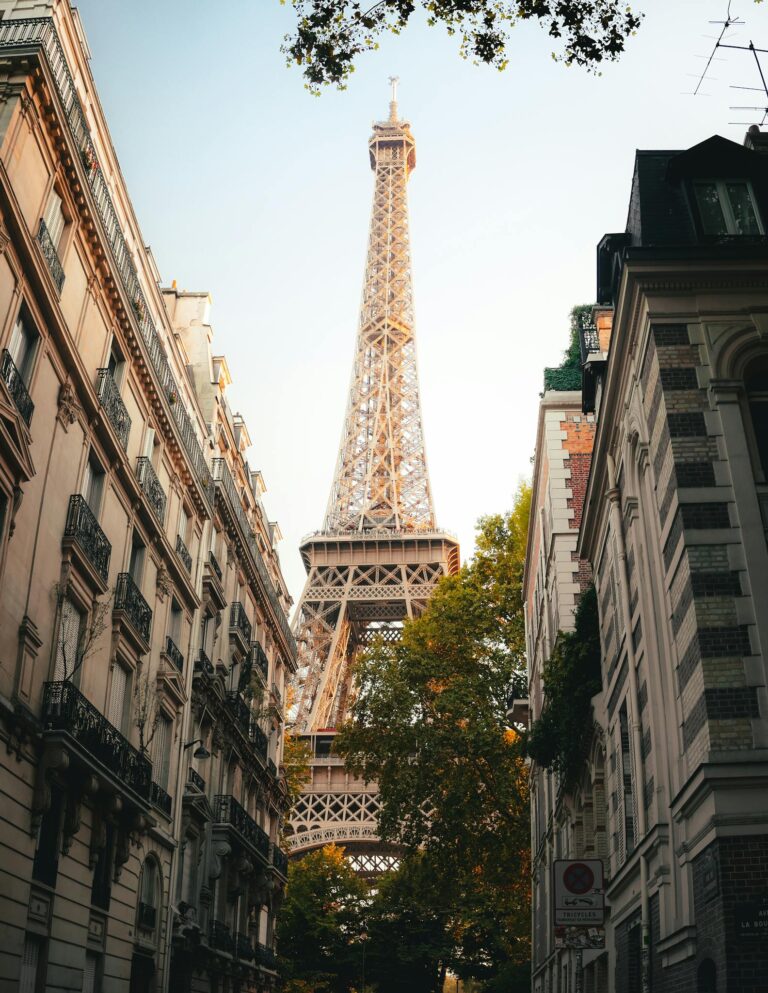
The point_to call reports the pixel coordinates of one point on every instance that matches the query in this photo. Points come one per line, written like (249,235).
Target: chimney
(756,139)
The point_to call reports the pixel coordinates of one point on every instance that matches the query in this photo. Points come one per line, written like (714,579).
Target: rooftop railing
(32,32)
(589,341)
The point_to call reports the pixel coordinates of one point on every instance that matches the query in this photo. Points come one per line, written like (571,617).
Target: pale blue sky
(247,186)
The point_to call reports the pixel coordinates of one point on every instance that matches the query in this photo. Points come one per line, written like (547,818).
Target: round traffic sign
(578,878)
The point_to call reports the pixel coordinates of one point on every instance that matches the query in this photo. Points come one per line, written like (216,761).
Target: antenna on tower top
(394,80)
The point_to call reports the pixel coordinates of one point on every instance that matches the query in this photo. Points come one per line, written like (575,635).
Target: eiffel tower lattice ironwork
(379,555)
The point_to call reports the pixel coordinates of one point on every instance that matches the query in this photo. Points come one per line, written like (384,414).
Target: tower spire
(394,80)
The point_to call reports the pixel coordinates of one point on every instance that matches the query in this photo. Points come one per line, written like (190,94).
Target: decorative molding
(164,584)
(68,407)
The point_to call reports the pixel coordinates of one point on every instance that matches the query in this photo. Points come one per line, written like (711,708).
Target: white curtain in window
(29,963)
(54,218)
(116,706)
(22,347)
(162,751)
(68,640)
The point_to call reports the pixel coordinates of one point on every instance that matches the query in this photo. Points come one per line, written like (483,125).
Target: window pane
(68,641)
(116,707)
(743,209)
(712,217)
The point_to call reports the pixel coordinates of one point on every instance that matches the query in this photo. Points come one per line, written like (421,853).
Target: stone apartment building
(674,525)
(562,826)
(144,639)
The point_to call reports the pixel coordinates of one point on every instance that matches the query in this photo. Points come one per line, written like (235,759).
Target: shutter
(149,445)
(67,643)
(116,707)
(89,973)
(161,750)
(29,961)
(54,218)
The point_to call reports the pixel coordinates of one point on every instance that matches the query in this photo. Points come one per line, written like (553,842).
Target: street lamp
(199,753)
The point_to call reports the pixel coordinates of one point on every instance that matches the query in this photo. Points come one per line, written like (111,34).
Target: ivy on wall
(567,376)
(559,740)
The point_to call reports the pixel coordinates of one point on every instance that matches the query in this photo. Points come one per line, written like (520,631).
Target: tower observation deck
(379,555)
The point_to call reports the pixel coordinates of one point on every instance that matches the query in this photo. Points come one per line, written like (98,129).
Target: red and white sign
(578,891)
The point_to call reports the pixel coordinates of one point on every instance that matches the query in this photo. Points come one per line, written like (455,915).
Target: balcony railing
(223,479)
(220,937)
(215,565)
(50,254)
(259,659)
(115,409)
(83,527)
(128,598)
(280,860)
(589,341)
(17,387)
(174,653)
(147,916)
(265,957)
(196,779)
(203,663)
(26,33)
(239,622)
(243,947)
(272,768)
(183,552)
(160,799)
(65,709)
(239,710)
(150,484)
(228,811)
(258,739)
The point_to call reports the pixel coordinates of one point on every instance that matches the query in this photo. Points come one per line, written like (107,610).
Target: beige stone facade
(144,640)
(674,526)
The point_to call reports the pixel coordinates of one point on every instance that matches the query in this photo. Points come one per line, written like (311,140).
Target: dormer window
(727,207)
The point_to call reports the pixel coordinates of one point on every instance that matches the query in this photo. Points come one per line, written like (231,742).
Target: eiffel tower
(379,555)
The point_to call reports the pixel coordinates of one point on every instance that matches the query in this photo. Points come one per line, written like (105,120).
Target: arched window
(756,388)
(149,896)
(706,977)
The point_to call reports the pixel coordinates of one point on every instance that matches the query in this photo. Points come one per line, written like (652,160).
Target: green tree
(320,924)
(429,726)
(331,34)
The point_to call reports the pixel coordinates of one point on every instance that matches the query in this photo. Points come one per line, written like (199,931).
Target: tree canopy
(331,34)
(429,726)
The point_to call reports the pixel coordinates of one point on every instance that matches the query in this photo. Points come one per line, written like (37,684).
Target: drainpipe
(614,498)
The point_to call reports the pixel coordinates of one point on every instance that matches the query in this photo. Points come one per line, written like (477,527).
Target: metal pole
(579,974)
(363,990)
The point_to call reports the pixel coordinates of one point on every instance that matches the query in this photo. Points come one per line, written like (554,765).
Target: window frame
(724,202)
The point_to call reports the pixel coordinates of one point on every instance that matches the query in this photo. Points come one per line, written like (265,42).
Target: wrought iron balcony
(17,387)
(258,739)
(280,861)
(220,937)
(589,341)
(183,553)
(272,768)
(226,485)
(213,562)
(174,653)
(266,957)
(203,663)
(228,811)
(112,402)
(243,947)
(128,598)
(160,799)
(83,528)
(150,484)
(195,779)
(50,254)
(259,659)
(147,916)
(66,710)
(239,710)
(239,623)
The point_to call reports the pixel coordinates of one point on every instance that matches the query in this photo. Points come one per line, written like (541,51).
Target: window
(726,207)
(756,386)
(46,865)
(93,484)
(31,962)
(53,218)
(174,624)
(92,973)
(183,524)
(626,783)
(101,888)
(136,563)
(162,751)
(68,643)
(23,346)
(118,692)
(147,909)
(149,444)
(116,363)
